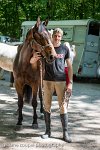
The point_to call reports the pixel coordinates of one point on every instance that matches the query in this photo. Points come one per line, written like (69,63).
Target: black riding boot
(47,123)
(64,121)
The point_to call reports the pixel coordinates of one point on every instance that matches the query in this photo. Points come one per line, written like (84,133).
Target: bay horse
(7,56)
(37,40)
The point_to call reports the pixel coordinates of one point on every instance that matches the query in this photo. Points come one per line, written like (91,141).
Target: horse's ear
(46,22)
(38,22)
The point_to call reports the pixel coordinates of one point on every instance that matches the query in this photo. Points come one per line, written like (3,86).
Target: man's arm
(70,74)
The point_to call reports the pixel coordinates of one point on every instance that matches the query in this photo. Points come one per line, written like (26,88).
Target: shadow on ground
(84,122)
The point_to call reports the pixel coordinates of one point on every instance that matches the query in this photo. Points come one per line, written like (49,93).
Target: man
(55,79)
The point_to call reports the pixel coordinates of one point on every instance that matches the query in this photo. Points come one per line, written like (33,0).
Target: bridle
(40,48)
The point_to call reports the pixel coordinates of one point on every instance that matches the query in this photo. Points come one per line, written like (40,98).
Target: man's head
(58,30)
(57,36)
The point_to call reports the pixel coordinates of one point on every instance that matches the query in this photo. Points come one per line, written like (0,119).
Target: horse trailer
(85,35)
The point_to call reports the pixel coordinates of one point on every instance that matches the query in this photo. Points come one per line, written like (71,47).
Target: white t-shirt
(72,54)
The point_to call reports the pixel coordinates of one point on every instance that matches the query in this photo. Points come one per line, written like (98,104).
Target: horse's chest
(30,75)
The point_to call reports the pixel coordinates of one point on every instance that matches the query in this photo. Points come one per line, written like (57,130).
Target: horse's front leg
(34,104)
(20,106)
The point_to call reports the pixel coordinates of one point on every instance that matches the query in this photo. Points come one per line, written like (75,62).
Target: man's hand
(36,56)
(69,88)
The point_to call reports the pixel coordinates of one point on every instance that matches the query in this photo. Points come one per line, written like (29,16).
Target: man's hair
(58,30)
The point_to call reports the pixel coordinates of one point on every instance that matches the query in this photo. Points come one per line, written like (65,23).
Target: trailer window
(94,28)
(68,33)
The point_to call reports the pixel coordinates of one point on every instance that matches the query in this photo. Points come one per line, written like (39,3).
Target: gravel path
(84,121)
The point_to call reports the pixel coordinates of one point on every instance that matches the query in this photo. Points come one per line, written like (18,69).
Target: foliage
(14,12)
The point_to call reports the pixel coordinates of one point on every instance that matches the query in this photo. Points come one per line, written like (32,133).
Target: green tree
(14,12)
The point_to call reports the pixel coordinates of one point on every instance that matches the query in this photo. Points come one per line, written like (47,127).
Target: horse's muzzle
(51,59)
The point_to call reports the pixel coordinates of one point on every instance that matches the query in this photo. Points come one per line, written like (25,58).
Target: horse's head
(41,41)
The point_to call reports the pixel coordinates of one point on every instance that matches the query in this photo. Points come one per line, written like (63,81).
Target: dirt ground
(84,121)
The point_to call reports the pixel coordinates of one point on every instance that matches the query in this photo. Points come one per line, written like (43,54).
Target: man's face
(57,38)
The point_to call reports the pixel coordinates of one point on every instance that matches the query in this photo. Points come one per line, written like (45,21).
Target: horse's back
(7,56)
(8,51)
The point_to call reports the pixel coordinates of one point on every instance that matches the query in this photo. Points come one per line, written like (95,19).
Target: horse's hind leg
(20,106)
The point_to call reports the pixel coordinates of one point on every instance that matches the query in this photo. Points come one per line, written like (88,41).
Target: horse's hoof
(19,123)
(18,127)
(41,116)
(11,85)
(15,113)
(35,126)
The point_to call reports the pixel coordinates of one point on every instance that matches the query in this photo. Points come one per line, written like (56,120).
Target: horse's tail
(27,94)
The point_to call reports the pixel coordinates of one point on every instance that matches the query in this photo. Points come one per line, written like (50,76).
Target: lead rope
(41,76)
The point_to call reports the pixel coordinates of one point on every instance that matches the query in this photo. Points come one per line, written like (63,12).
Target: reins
(41,48)
(41,75)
